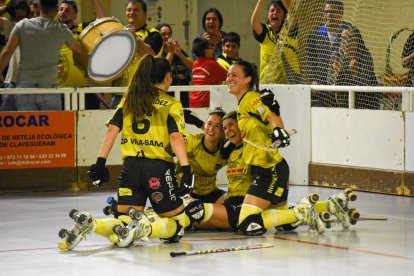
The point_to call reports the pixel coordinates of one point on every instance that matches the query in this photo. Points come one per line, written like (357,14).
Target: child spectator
(231,46)
(206,71)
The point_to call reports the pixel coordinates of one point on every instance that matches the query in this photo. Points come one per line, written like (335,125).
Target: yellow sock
(163,228)
(275,217)
(247,210)
(321,206)
(182,219)
(104,226)
(208,211)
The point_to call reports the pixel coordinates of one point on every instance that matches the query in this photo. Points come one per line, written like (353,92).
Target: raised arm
(7,52)
(255,18)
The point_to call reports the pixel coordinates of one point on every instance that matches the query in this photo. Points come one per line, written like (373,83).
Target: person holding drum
(40,40)
(149,41)
(68,74)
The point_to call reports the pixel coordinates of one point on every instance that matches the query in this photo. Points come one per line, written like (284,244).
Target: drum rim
(98,22)
(107,78)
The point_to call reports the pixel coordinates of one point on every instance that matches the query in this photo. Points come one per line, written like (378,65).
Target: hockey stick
(273,146)
(372,218)
(219,250)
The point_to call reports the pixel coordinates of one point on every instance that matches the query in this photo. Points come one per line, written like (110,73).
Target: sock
(208,211)
(276,217)
(104,227)
(247,210)
(321,206)
(163,228)
(182,219)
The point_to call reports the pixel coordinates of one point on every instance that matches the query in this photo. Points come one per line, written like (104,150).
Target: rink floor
(30,222)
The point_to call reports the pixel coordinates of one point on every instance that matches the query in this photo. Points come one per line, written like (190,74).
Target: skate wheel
(82,219)
(107,210)
(313,198)
(352,221)
(124,232)
(71,238)
(63,233)
(328,225)
(325,216)
(354,214)
(72,213)
(350,194)
(117,228)
(110,200)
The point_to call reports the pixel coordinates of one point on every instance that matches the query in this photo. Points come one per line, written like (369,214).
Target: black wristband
(186,169)
(199,123)
(101,162)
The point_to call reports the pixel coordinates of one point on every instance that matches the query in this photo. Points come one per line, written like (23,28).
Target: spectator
(273,37)
(40,40)
(206,71)
(408,58)
(67,14)
(353,65)
(149,41)
(323,43)
(212,23)
(231,46)
(181,63)
(18,10)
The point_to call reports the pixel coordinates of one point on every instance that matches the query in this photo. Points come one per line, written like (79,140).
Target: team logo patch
(124,192)
(154,183)
(157,197)
(261,110)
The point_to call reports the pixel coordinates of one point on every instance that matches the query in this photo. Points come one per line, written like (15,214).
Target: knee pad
(194,208)
(253,225)
(179,233)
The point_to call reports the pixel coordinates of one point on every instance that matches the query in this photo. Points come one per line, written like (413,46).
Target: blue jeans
(9,100)
(36,102)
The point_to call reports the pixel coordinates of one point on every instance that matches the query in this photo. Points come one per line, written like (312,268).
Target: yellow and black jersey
(272,45)
(204,164)
(153,38)
(225,61)
(150,138)
(238,174)
(251,114)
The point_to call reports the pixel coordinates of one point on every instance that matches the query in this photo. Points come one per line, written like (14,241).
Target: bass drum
(107,49)
(69,74)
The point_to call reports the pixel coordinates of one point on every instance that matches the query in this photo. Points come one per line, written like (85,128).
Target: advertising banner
(43,139)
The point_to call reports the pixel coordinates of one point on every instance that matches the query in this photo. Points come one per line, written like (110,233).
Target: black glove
(98,173)
(269,99)
(192,119)
(281,137)
(187,182)
(226,149)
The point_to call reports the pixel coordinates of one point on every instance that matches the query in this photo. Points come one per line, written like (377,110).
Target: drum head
(111,57)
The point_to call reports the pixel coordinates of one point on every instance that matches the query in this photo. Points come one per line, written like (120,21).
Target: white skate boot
(338,206)
(138,229)
(306,214)
(84,224)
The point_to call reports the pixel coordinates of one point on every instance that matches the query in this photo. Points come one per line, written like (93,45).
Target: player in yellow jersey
(152,127)
(270,172)
(203,151)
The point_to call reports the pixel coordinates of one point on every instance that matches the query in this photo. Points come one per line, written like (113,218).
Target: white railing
(74,97)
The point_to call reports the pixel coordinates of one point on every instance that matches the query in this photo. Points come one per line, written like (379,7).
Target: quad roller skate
(112,208)
(306,214)
(84,224)
(338,206)
(138,229)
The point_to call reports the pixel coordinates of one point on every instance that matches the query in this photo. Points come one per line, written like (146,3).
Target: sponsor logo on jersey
(124,192)
(154,183)
(157,197)
(170,183)
(140,142)
(261,110)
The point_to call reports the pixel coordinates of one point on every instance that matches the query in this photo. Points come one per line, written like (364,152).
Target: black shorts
(233,206)
(143,178)
(270,184)
(211,197)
